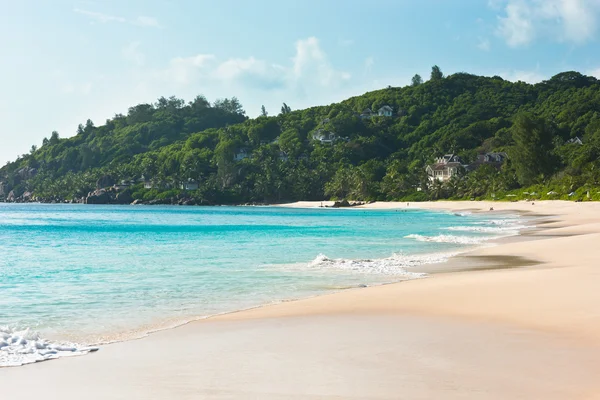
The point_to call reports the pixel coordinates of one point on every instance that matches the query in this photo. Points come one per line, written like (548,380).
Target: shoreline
(458,261)
(548,307)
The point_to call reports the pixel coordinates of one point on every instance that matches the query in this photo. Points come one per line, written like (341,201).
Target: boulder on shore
(124,197)
(342,203)
(98,196)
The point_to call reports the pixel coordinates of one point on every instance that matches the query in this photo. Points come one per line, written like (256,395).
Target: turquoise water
(98,273)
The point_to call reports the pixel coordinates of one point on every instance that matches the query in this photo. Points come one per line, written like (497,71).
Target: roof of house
(386,107)
(442,166)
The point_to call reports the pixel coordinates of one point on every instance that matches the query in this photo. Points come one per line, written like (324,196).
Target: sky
(63,62)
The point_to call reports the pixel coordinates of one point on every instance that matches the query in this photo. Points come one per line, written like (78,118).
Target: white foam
(396,265)
(498,229)
(20,347)
(451,238)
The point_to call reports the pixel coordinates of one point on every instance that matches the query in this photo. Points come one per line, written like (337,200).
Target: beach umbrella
(511,195)
(552,192)
(571,194)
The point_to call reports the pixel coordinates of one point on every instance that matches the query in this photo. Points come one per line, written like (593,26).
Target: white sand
(524,333)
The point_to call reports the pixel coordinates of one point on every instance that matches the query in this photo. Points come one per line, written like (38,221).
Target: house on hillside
(241,154)
(324,137)
(575,140)
(190,184)
(385,111)
(366,114)
(444,168)
(496,160)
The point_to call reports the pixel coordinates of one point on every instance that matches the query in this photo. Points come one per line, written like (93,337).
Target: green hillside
(333,151)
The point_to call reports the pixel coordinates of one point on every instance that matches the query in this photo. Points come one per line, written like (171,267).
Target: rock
(99,196)
(137,202)
(343,203)
(11,196)
(124,197)
(27,196)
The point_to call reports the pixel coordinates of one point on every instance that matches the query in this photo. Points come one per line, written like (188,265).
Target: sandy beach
(518,320)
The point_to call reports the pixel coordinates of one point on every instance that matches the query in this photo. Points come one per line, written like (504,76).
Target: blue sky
(66,61)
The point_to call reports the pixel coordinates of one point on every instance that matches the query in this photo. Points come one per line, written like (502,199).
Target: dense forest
(203,153)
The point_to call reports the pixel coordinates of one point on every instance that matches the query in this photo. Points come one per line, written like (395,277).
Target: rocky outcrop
(124,197)
(341,203)
(346,203)
(98,196)
(12,197)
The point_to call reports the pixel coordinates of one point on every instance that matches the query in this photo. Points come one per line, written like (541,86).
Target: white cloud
(562,20)
(484,44)
(524,76)
(311,63)
(132,53)
(185,70)
(309,69)
(517,27)
(594,72)
(102,18)
(252,72)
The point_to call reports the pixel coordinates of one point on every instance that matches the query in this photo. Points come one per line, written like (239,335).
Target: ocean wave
(396,265)
(499,229)
(450,238)
(501,222)
(20,347)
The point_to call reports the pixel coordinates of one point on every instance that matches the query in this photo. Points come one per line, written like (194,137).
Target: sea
(75,277)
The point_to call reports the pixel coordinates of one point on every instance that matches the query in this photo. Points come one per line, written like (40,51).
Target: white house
(575,140)
(444,168)
(240,155)
(148,184)
(190,184)
(385,111)
(324,137)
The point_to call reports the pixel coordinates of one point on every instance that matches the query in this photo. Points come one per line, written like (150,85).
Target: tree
(263,111)
(232,106)
(54,138)
(532,154)
(436,73)
(285,109)
(417,80)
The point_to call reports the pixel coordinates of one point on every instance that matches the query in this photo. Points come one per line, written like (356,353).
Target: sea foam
(20,347)
(395,265)
(450,239)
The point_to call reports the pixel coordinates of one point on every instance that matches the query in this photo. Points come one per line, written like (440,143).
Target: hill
(171,152)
